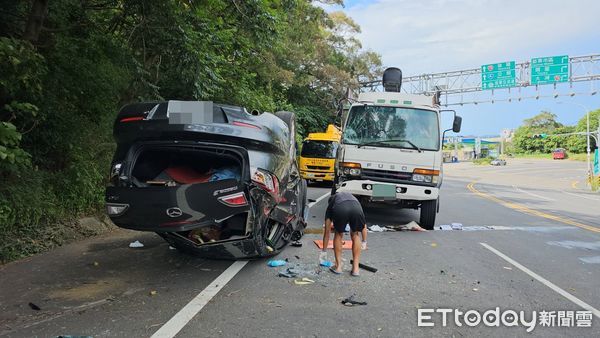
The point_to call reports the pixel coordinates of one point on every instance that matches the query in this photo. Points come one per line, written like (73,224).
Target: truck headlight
(350,168)
(425,175)
(418,178)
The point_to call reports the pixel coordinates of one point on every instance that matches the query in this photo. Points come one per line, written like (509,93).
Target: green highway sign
(498,75)
(549,69)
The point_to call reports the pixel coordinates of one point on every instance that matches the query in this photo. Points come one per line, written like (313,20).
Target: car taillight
(244,124)
(234,200)
(267,181)
(131,119)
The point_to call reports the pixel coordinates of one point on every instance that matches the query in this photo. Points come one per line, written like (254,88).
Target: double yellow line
(529,211)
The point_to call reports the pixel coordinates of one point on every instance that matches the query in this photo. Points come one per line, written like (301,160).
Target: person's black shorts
(348,212)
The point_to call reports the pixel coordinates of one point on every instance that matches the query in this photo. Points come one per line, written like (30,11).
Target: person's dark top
(337,199)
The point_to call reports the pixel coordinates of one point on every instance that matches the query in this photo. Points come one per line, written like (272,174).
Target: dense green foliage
(545,123)
(66,66)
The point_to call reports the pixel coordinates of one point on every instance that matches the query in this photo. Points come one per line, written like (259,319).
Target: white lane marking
(544,281)
(532,194)
(582,196)
(180,320)
(310,205)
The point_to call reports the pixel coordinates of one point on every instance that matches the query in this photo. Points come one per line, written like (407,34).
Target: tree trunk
(39,8)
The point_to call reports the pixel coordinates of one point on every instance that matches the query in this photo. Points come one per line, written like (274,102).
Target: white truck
(391,149)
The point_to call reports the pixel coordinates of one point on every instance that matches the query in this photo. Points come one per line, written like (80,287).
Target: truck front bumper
(316,176)
(403,191)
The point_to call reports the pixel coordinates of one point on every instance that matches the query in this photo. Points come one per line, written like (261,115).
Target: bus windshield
(393,126)
(319,149)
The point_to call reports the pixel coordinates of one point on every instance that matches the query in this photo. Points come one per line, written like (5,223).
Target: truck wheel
(428,213)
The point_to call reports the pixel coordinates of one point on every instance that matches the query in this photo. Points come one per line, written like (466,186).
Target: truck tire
(428,213)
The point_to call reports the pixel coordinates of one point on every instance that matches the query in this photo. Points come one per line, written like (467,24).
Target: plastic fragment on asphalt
(171,248)
(507,267)
(475,289)
(304,281)
(296,244)
(326,264)
(153,293)
(457,226)
(433,245)
(445,227)
(288,273)
(136,244)
(275,263)
(34,307)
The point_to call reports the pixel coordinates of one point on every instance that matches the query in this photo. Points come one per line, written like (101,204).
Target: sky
(431,36)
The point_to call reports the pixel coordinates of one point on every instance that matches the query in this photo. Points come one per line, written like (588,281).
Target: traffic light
(540,135)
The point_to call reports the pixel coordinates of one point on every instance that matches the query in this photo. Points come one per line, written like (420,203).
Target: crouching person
(344,209)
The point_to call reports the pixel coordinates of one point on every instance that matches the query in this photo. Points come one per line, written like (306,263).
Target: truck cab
(317,157)
(390,151)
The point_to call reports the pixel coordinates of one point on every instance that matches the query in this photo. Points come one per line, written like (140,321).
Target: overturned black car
(211,179)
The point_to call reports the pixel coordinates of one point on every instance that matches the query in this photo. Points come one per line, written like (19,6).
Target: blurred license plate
(384,191)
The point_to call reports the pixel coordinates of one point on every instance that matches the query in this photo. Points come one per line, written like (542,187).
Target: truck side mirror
(456,124)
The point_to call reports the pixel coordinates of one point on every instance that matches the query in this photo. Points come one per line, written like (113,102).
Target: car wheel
(428,213)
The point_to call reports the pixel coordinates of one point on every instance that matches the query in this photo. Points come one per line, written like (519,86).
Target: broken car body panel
(227,187)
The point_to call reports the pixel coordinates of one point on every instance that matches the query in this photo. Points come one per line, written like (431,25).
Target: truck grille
(317,167)
(387,175)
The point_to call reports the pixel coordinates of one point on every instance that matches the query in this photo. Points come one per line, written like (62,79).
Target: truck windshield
(393,127)
(319,149)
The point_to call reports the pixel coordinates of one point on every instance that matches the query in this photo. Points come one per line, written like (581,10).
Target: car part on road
(350,301)
(364,266)
(210,179)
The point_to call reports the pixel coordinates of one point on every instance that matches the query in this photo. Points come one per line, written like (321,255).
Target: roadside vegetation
(524,144)
(66,66)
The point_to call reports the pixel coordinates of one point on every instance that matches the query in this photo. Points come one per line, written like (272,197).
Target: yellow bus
(317,158)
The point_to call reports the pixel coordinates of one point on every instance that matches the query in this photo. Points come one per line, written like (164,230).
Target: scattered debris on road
(507,267)
(304,281)
(350,301)
(136,244)
(326,264)
(297,244)
(288,273)
(365,267)
(275,263)
(153,293)
(34,307)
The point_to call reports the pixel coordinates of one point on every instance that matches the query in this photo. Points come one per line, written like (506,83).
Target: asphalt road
(530,242)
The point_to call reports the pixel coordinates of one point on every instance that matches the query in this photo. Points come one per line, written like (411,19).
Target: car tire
(428,214)
(290,119)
